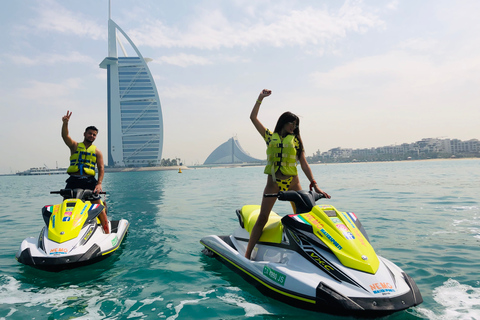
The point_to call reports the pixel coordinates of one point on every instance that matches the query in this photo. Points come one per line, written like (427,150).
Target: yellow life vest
(281,154)
(83,160)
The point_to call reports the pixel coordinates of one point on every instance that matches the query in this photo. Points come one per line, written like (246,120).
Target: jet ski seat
(273,230)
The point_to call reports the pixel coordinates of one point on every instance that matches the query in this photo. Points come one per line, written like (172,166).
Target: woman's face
(290,127)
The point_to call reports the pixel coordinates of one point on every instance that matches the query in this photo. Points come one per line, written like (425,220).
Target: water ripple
(423,216)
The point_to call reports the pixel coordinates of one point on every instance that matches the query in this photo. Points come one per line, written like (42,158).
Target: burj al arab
(135,124)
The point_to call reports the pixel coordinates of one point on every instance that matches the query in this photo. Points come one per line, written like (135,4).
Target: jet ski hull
(286,275)
(45,254)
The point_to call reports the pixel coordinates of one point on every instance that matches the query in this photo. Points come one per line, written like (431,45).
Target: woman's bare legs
(266,207)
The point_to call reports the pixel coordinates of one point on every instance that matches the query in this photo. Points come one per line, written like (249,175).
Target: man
(84,157)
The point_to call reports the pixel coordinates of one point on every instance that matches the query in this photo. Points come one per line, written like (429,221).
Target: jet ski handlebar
(282,195)
(303,199)
(76,193)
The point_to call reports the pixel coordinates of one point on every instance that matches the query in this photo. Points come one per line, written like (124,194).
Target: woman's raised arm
(254,114)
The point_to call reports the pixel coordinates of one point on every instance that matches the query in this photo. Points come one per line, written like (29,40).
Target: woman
(284,149)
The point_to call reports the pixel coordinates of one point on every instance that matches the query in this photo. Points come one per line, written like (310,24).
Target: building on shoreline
(426,148)
(230,152)
(135,124)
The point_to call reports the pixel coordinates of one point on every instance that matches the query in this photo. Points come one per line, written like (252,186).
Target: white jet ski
(72,235)
(318,258)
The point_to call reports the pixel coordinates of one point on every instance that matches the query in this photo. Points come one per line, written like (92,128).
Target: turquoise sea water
(422,215)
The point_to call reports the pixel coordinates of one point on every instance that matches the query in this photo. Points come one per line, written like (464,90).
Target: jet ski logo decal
(83,210)
(360,237)
(276,276)
(114,241)
(348,235)
(67,216)
(316,258)
(381,287)
(336,220)
(89,233)
(322,263)
(313,221)
(332,240)
(59,251)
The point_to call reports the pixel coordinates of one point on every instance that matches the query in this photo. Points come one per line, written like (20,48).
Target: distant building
(423,149)
(135,124)
(230,152)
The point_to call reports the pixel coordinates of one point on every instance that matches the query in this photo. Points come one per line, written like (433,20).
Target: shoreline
(383,161)
(135,169)
(242,165)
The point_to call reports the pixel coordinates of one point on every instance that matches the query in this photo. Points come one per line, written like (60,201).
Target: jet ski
(317,258)
(72,235)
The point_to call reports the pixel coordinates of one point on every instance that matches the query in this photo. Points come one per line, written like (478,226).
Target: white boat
(42,171)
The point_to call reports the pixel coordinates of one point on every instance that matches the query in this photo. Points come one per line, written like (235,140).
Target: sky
(359,74)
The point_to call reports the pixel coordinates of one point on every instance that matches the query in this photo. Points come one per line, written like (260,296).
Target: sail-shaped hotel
(135,124)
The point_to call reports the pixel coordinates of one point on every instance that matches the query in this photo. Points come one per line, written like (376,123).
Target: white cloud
(101,74)
(461,18)
(399,73)
(392,5)
(184,60)
(51,59)
(48,92)
(419,44)
(202,94)
(399,96)
(212,30)
(55,18)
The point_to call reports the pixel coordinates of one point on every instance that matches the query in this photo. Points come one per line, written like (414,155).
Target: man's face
(90,135)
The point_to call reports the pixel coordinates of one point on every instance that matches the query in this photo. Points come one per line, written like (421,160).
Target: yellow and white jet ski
(72,235)
(318,258)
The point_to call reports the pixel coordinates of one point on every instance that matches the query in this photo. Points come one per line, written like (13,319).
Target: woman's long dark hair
(283,120)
